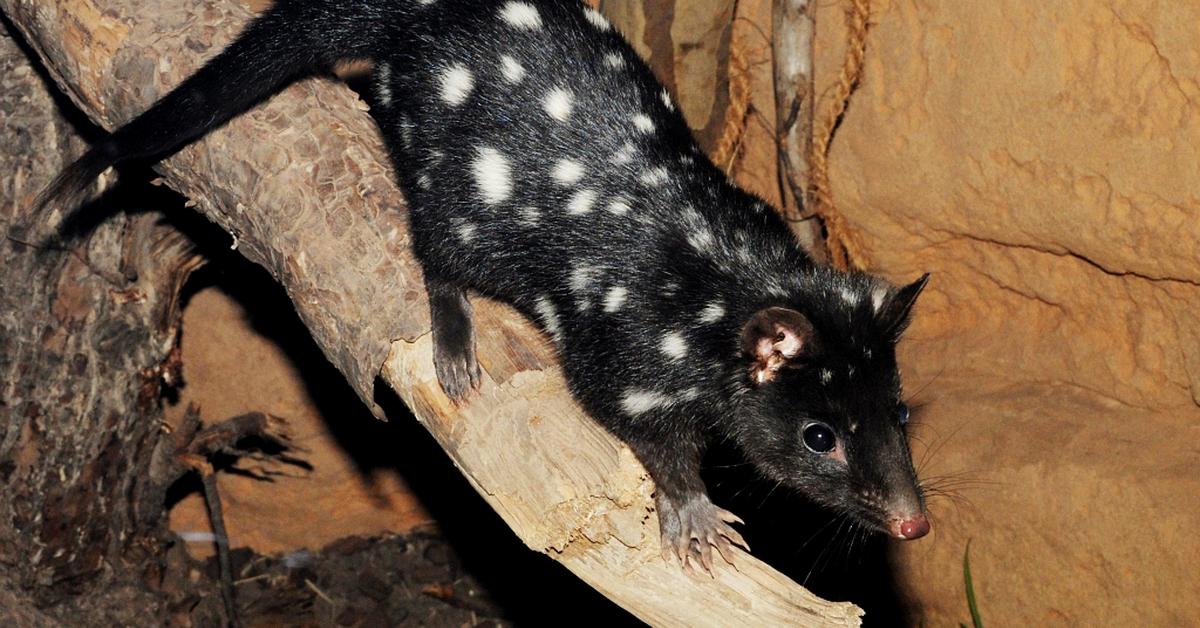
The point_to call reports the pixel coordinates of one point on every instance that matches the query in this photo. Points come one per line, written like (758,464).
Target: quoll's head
(821,407)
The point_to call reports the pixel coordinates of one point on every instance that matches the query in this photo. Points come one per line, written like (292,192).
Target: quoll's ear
(772,338)
(892,310)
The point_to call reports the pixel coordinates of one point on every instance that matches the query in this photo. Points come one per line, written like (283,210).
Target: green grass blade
(976,620)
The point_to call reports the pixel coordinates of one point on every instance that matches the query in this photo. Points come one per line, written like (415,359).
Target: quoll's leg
(453,339)
(690,524)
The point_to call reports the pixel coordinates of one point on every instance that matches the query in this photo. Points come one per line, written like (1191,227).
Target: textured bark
(793,25)
(302,185)
(792,43)
(86,341)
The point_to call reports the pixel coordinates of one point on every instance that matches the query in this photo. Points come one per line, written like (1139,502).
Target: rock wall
(244,352)
(1040,159)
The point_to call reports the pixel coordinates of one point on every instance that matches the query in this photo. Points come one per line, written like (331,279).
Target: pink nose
(911,528)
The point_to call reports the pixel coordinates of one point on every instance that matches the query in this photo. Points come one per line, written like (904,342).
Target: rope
(729,145)
(845,246)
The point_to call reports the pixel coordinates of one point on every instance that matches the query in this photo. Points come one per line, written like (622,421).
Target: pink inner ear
(774,351)
(773,337)
(784,343)
(764,348)
(788,344)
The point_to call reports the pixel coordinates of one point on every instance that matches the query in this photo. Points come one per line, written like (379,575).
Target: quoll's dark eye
(819,438)
(902,413)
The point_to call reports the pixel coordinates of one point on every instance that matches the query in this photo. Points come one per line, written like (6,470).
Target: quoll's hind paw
(458,373)
(450,317)
(692,529)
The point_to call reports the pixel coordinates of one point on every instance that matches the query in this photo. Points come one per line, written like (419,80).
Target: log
(303,185)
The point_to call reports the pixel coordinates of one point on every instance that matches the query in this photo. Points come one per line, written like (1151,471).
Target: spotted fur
(545,166)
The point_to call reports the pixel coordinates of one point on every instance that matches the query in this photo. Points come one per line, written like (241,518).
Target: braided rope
(845,245)
(737,114)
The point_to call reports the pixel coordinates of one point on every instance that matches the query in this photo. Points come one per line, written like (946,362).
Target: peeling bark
(794,22)
(792,42)
(303,186)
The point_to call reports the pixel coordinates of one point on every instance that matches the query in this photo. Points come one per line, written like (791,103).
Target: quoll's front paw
(692,526)
(457,371)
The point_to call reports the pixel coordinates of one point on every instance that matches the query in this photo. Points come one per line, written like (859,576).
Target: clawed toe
(691,531)
(459,378)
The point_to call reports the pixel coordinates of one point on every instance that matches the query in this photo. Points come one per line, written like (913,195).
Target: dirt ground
(361,581)
(378,528)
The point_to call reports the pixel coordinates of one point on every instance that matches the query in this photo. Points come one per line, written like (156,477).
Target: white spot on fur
(581,277)
(826,376)
(636,401)
(596,19)
(624,154)
(615,298)
(466,232)
(666,99)
(689,394)
(383,83)
(549,316)
(529,215)
(744,254)
(511,69)
(712,312)
(457,83)
(614,60)
(521,15)
(674,345)
(619,206)
(878,294)
(701,239)
(849,296)
(581,202)
(406,132)
(558,103)
(654,176)
(493,175)
(424,182)
(643,123)
(567,171)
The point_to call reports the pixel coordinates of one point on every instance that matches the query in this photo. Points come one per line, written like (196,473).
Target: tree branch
(303,186)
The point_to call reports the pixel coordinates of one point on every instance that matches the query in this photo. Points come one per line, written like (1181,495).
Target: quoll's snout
(909,528)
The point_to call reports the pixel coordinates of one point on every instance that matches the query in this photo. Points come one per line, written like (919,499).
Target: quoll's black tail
(294,38)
